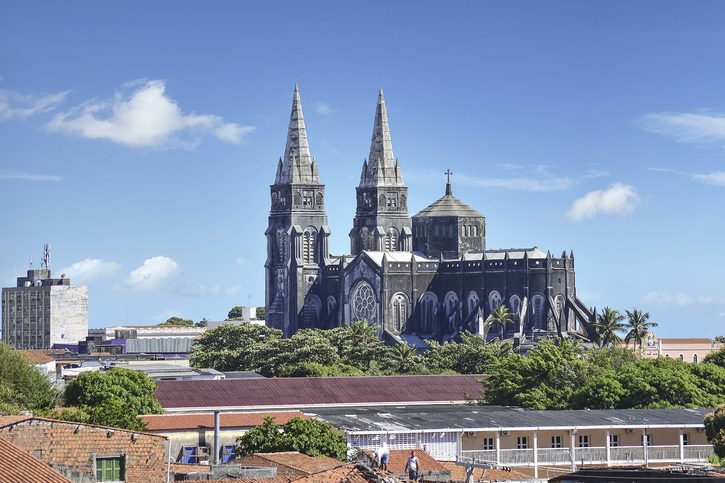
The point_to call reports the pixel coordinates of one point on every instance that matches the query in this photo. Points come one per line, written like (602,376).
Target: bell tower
(297,232)
(381,220)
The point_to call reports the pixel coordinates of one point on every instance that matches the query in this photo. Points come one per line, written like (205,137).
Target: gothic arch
(381,202)
(494,300)
(515,305)
(451,306)
(363,302)
(399,310)
(560,311)
(281,246)
(309,245)
(366,239)
(311,311)
(391,240)
(319,200)
(331,311)
(428,310)
(538,307)
(297,198)
(473,302)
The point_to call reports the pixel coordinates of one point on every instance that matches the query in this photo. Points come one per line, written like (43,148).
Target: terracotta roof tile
(685,340)
(175,422)
(37,356)
(458,473)
(179,469)
(305,391)
(18,466)
(5,420)
(399,459)
(268,479)
(301,462)
(351,473)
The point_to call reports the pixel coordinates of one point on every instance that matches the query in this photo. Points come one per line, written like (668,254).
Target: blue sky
(139,139)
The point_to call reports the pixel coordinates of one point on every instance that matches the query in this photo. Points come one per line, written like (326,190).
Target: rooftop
(315,391)
(177,422)
(301,462)
(471,417)
(17,465)
(458,473)
(448,205)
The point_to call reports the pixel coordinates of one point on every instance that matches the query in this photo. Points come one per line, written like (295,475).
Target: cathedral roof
(381,168)
(297,165)
(448,205)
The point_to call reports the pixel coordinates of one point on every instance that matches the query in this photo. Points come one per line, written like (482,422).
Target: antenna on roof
(45,261)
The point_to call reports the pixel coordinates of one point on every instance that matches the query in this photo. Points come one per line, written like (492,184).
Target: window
(399,308)
(392,200)
(583,440)
(109,469)
(682,357)
(556,441)
(428,308)
(694,358)
(685,439)
(649,439)
(307,199)
(522,442)
(488,444)
(614,440)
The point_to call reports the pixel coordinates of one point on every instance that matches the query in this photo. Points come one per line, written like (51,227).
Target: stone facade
(74,450)
(41,311)
(426,277)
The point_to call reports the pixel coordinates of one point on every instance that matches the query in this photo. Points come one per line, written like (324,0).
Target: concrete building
(426,277)
(541,443)
(688,349)
(41,311)
(147,332)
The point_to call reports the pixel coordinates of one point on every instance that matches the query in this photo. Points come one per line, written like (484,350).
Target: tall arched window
(366,239)
(391,240)
(451,308)
(309,245)
(399,311)
(311,310)
(560,311)
(537,310)
(494,300)
(428,310)
(364,302)
(694,358)
(281,246)
(473,302)
(515,304)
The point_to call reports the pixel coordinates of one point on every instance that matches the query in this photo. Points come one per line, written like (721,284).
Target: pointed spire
(297,162)
(382,169)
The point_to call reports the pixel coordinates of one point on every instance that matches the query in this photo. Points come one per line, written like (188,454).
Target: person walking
(412,466)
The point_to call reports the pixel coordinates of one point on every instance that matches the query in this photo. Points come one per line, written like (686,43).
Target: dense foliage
(562,376)
(308,436)
(22,386)
(110,398)
(715,430)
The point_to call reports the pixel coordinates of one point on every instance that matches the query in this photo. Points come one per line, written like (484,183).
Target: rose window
(363,303)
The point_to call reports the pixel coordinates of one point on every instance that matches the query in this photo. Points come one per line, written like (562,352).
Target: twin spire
(381,168)
(298,166)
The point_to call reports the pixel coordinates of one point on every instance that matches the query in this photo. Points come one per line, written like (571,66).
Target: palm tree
(499,316)
(638,325)
(362,330)
(608,323)
(404,356)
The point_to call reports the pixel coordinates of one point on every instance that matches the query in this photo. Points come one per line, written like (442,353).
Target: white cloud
(90,269)
(25,176)
(152,273)
(716,178)
(211,290)
(16,105)
(619,199)
(681,299)
(687,127)
(323,108)
(142,115)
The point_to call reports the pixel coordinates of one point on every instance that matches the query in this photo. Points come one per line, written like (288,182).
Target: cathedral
(426,277)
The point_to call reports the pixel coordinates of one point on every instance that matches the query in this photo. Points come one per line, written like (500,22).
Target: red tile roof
(301,462)
(344,474)
(182,469)
(399,458)
(178,422)
(686,340)
(18,466)
(458,473)
(5,420)
(38,356)
(310,391)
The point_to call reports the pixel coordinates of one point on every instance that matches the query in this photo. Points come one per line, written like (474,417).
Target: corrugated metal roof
(310,391)
(469,417)
(159,345)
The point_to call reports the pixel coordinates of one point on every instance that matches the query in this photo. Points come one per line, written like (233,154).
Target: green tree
(500,316)
(638,325)
(471,355)
(202,323)
(261,313)
(305,346)
(715,430)
(607,326)
(179,322)
(236,313)
(717,357)
(22,386)
(602,391)
(720,339)
(233,347)
(308,436)
(406,360)
(113,398)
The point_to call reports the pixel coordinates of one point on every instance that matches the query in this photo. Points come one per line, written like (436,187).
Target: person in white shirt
(412,466)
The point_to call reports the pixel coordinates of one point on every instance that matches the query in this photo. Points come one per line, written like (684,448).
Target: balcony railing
(595,455)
